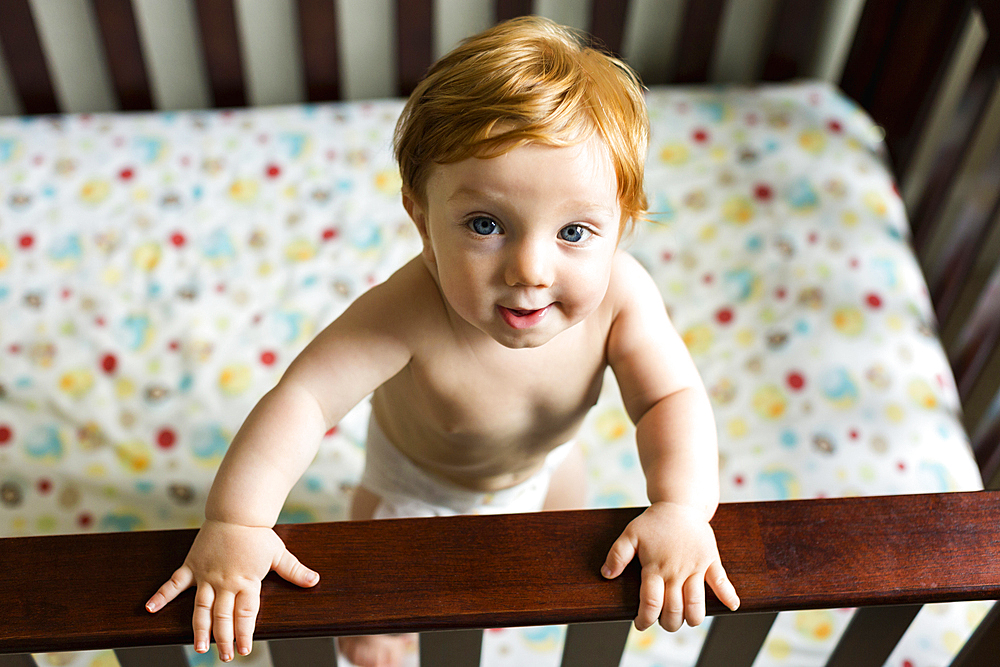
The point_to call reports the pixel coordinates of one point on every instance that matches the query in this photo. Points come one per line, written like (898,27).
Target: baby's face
(522,244)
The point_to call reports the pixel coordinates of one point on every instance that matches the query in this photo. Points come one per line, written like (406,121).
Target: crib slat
(595,644)
(983,646)
(455,648)
(735,641)
(960,270)
(318,29)
(872,635)
(414,42)
(951,154)
(25,58)
(898,44)
(221,45)
(318,651)
(508,9)
(152,656)
(696,45)
(498,571)
(123,51)
(607,23)
(793,39)
(18,660)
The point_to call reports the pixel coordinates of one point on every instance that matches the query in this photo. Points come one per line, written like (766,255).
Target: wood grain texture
(509,570)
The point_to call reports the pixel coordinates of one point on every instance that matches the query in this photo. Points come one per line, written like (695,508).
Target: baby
(521,155)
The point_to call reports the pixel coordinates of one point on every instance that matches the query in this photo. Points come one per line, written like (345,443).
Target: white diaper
(406,490)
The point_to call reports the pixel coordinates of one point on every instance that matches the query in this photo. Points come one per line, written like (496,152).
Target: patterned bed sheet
(158,271)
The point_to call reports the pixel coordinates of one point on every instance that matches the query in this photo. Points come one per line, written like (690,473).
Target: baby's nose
(529,266)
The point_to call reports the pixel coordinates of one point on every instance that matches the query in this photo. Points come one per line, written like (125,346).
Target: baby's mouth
(518,318)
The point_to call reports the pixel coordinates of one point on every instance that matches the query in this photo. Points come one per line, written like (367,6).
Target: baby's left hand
(678,553)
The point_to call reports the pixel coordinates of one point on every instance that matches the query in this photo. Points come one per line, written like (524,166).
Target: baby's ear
(418,213)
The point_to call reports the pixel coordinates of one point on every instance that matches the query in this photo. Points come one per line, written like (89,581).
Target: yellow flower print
(95,191)
(76,382)
(699,339)
(300,250)
(738,209)
(812,141)
(235,379)
(849,320)
(674,154)
(388,181)
(147,256)
(244,190)
(922,394)
(769,402)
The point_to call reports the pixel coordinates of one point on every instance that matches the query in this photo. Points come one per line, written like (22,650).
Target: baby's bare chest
(507,394)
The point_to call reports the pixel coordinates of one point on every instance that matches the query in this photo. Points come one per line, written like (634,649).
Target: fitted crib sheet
(158,271)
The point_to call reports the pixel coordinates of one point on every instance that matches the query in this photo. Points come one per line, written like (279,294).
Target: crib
(108,330)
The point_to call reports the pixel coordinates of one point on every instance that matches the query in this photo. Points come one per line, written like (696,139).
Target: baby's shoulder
(408,300)
(630,285)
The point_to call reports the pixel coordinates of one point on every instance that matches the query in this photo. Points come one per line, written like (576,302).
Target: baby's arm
(236,547)
(675,433)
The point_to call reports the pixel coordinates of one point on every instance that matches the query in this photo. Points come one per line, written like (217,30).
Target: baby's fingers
(289,568)
(247,606)
(724,590)
(204,600)
(650,601)
(694,600)
(179,582)
(621,554)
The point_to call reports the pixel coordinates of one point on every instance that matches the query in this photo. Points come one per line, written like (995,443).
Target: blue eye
(574,233)
(484,226)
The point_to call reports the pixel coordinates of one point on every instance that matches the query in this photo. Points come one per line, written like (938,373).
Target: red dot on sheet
(109,363)
(874,301)
(166,438)
(26,241)
(724,315)
(329,234)
(901,466)
(763,192)
(332,431)
(854,434)
(796,380)
(126,174)
(699,136)
(273,171)
(667,256)
(268,358)
(780,293)
(835,126)
(85,520)
(908,663)
(6,434)
(178,239)
(738,480)
(44,486)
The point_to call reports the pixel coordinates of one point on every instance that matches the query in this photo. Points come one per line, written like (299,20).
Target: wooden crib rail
(510,570)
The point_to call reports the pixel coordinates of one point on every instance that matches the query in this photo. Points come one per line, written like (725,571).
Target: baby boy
(521,155)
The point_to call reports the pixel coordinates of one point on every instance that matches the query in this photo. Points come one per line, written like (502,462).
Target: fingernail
(245,650)
(200,647)
(151,607)
(606,571)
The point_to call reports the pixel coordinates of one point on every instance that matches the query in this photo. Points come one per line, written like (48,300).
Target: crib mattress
(158,271)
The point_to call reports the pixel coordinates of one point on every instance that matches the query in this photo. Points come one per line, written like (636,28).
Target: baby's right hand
(227,563)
